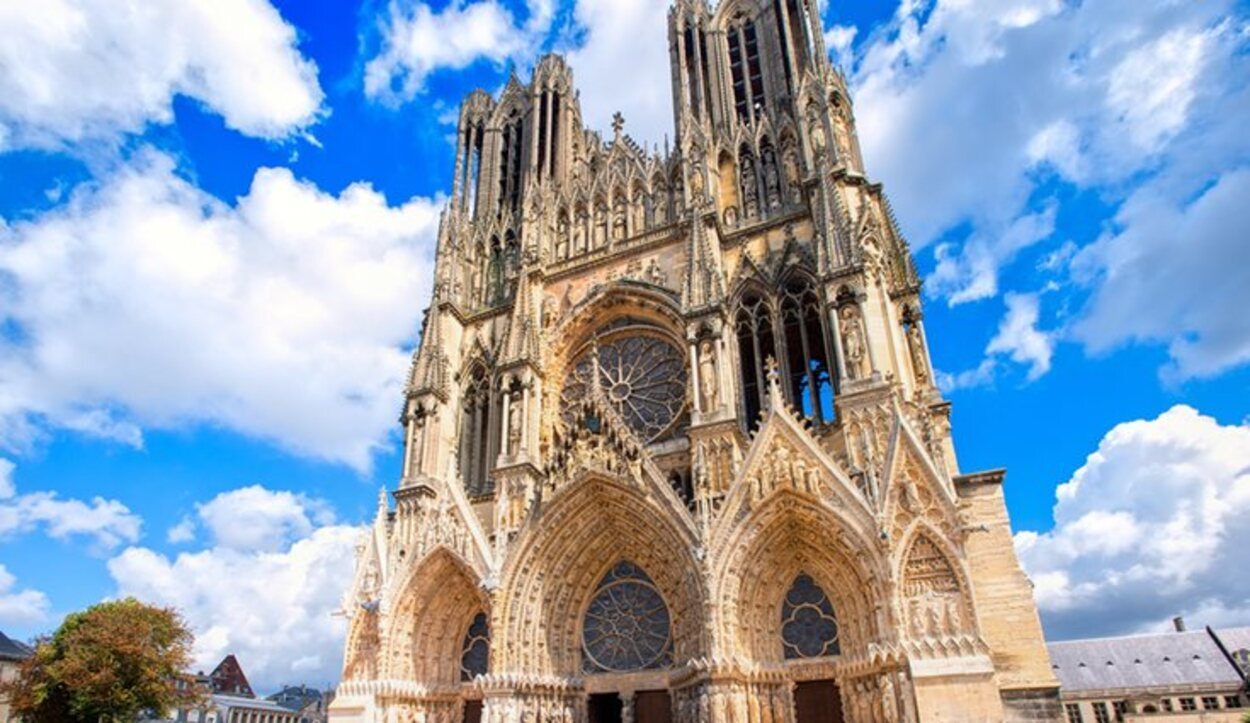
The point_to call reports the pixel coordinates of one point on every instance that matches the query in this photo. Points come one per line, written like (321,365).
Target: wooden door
(473,711)
(653,706)
(817,701)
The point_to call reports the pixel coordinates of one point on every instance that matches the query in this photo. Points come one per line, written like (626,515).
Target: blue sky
(215,245)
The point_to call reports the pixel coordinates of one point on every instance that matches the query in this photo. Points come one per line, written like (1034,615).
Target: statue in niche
(817,133)
(639,211)
(916,346)
(656,274)
(750,189)
(549,311)
(707,376)
(660,208)
(842,136)
(579,232)
(601,226)
(853,343)
(562,237)
(514,423)
(790,167)
(772,182)
(619,229)
(696,184)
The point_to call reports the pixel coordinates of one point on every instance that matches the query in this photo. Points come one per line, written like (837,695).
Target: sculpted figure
(853,343)
(514,424)
(916,345)
(750,189)
(707,376)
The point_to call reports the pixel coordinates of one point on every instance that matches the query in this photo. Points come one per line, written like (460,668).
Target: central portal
(650,706)
(605,708)
(817,701)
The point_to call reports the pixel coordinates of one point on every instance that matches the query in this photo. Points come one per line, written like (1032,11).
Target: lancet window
(472,165)
(476,436)
(626,626)
(787,327)
(745,69)
(809,627)
(475,653)
(510,166)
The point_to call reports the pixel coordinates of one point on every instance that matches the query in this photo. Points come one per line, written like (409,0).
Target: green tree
(107,663)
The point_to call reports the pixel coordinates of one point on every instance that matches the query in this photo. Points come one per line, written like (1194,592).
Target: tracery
(475,653)
(809,627)
(626,626)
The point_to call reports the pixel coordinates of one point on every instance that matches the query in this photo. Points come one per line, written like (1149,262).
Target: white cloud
(1148,528)
(622,64)
(91,69)
(839,40)
(268,604)
(961,102)
(417,40)
(1019,338)
(254,518)
(1175,274)
(145,302)
(182,532)
(108,523)
(20,608)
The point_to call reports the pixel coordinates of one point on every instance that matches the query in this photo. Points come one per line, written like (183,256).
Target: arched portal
(551,587)
(436,606)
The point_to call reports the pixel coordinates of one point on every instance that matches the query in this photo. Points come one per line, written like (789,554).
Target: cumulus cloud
(90,69)
(145,302)
(960,104)
(616,33)
(20,608)
(269,598)
(1018,338)
(1147,528)
(107,523)
(417,40)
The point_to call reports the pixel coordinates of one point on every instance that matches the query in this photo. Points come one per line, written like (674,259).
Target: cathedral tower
(673,448)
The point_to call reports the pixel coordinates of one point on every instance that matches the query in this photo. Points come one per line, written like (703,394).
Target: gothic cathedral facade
(673,447)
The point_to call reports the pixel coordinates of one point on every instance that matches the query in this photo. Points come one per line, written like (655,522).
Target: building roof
(228,678)
(241,702)
(10,649)
(296,697)
(1168,660)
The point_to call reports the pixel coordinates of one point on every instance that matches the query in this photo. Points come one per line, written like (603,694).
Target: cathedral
(673,450)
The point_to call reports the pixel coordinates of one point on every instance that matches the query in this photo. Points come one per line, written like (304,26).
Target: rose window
(626,626)
(642,375)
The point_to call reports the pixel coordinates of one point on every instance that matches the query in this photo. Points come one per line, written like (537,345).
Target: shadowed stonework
(673,449)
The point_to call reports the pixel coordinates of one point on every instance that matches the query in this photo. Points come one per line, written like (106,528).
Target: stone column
(627,707)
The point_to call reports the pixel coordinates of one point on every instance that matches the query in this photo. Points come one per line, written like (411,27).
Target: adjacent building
(12,653)
(226,696)
(309,704)
(674,449)
(1178,677)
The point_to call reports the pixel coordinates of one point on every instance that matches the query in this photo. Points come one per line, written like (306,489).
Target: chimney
(1178,622)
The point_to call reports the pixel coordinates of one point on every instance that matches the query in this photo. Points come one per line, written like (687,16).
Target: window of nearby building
(1101,715)
(1167,705)
(1232,701)
(1210,702)
(1188,704)
(1074,713)
(1121,708)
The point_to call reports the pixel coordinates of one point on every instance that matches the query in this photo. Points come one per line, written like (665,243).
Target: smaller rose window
(809,628)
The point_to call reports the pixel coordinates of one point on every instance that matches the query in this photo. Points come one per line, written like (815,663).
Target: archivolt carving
(361,660)
(934,604)
(789,536)
(557,565)
(426,625)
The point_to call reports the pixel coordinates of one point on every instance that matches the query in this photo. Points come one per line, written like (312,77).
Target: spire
(522,344)
(704,282)
(430,364)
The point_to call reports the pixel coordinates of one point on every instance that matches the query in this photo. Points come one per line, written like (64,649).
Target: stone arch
(934,589)
(792,535)
(361,660)
(436,604)
(589,526)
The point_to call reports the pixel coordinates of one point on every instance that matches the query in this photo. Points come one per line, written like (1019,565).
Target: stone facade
(673,449)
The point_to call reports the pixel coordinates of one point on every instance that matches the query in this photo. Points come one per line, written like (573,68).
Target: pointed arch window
(745,71)
(809,627)
(475,652)
(788,327)
(476,435)
(753,325)
(626,626)
(808,375)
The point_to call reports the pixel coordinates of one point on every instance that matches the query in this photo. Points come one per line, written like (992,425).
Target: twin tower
(672,445)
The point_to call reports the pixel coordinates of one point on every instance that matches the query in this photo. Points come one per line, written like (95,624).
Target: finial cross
(618,122)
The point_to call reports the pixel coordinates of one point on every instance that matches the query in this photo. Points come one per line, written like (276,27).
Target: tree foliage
(107,663)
